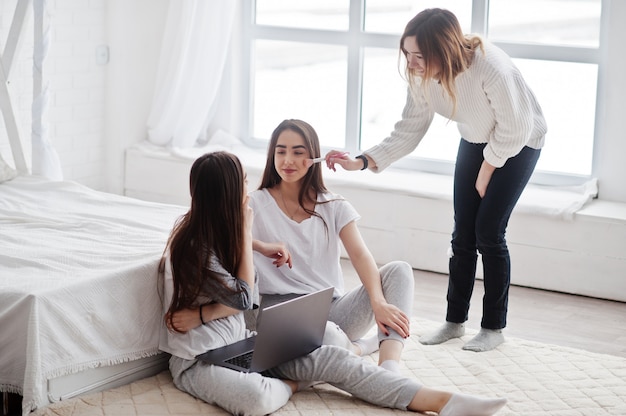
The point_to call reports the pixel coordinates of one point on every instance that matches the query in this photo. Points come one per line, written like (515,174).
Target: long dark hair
(213,226)
(312,183)
(441,41)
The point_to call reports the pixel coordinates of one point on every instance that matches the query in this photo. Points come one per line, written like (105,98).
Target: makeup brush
(311,162)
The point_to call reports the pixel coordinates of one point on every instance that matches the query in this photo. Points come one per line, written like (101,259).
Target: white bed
(79,308)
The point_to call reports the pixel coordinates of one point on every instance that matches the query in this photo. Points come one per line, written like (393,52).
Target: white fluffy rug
(537,379)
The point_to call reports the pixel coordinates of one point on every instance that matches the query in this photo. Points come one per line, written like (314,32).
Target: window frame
(356,40)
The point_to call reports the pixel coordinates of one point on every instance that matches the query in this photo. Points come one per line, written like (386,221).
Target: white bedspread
(78,273)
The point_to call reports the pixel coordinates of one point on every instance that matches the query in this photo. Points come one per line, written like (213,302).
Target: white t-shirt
(315,251)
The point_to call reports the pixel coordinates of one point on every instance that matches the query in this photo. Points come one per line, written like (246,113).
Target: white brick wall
(76,83)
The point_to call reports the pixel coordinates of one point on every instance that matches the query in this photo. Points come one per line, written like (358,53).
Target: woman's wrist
(201,315)
(365,161)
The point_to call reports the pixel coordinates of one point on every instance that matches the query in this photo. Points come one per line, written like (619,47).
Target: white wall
(134,34)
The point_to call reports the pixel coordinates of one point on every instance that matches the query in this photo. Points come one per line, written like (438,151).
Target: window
(335,64)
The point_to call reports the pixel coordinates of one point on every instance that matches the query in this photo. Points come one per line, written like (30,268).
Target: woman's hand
(248,215)
(342,158)
(389,316)
(277,251)
(484,176)
(184,320)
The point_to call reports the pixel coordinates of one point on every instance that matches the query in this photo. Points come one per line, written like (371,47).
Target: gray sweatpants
(260,394)
(353,312)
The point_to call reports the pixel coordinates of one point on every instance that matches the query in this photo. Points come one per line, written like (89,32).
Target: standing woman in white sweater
(468,80)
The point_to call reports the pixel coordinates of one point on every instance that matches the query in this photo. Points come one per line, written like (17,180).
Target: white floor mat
(537,379)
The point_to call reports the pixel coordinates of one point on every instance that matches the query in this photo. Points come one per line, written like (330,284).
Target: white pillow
(6,172)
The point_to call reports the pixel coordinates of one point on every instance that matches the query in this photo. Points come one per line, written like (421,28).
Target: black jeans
(480,225)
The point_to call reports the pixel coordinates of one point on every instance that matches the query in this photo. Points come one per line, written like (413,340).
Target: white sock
(466,405)
(391,365)
(485,340)
(448,331)
(367,345)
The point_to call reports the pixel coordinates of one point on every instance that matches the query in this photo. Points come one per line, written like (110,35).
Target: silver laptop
(285,331)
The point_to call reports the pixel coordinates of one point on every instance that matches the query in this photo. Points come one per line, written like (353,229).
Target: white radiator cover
(584,255)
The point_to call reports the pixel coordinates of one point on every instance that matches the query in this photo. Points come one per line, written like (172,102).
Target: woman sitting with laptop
(208,261)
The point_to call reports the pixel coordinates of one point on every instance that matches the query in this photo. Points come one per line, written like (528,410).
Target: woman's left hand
(389,316)
(184,320)
(277,251)
(484,176)
(341,158)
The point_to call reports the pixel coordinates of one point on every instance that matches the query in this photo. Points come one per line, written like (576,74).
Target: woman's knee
(334,335)
(331,356)
(397,274)
(491,242)
(259,403)
(262,397)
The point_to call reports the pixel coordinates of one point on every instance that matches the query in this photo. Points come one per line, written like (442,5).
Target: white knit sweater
(494,106)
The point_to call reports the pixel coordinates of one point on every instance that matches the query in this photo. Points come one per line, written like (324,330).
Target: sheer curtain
(45,158)
(45,161)
(193,55)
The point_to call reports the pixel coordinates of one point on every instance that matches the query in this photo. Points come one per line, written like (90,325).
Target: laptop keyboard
(243,360)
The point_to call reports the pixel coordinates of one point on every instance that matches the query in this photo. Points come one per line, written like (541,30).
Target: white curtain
(193,55)
(45,158)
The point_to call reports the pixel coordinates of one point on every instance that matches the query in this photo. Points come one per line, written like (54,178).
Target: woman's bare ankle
(429,400)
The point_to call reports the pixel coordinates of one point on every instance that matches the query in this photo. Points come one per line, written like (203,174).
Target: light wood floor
(554,318)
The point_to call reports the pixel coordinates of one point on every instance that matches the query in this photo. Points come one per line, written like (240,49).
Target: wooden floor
(555,318)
